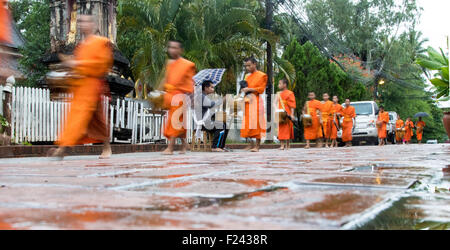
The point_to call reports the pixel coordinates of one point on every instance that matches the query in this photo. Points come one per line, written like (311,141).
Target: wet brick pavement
(272,189)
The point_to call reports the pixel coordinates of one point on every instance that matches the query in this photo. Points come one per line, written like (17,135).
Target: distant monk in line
(178,84)
(325,108)
(347,125)
(253,126)
(409,125)
(313,132)
(336,112)
(399,125)
(93,58)
(419,129)
(286,101)
(382,121)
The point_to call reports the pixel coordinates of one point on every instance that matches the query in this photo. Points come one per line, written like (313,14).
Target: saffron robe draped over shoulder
(178,84)
(315,130)
(409,130)
(384,118)
(86,119)
(347,124)
(325,109)
(420,134)
(286,130)
(398,124)
(254,122)
(335,111)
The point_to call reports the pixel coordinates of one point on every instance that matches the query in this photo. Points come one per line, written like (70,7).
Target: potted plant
(438,62)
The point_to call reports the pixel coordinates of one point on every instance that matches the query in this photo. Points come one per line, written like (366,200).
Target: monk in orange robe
(325,109)
(253,126)
(347,125)
(93,58)
(419,132)
(5,23)
(399,124)
(409,125)
(313,132)
(178,84)
(382,121)
(5,34)
(286,101)
(334,124)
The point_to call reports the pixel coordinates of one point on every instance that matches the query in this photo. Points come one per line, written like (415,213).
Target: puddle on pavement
(406,214)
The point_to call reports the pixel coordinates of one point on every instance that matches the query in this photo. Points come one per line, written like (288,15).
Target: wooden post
(269,88)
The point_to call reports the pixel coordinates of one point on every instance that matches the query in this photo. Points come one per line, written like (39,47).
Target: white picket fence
(37,118)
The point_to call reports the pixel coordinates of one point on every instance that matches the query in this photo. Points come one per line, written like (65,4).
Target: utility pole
(269,88)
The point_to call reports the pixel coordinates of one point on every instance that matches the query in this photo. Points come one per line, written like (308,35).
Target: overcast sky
(435,21)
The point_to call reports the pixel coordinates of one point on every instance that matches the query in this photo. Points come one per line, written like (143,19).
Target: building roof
(17,38)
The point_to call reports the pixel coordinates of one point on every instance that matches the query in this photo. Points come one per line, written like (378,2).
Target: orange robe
(86,121)
(315,130)
(286,130)
(409,130)
(327,119)
(5,23)
(347,125)
(383,117)
(254,120)
(336,110)
(179,83)
(398,124)
(422,125)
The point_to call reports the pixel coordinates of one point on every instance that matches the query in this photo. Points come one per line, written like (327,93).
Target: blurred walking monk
(400,130)
(178,84)
(5,32)
(336,112)
(286,100)
(325,108)
(419,130)
(409,126)
(314,131)
(347,125)
(253,126)
(382,121)
(92,60)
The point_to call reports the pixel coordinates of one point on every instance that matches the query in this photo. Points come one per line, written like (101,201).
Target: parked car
(391,126)
(365,128)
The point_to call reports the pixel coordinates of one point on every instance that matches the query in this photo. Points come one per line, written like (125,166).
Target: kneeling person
(217,128)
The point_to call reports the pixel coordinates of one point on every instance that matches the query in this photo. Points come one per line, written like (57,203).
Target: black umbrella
(421,114)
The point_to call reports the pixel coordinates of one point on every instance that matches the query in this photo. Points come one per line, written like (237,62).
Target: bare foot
(282,148)
(254,150)
(217,150)
(167,152)
(248,148)
(307,147)
(106,154)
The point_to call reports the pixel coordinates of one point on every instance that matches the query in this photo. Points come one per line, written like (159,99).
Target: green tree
(33,20)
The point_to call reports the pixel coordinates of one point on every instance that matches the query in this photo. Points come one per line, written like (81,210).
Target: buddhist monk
(253,126)
(336,112)
(93,58)
(399,124)
(349,121)
(409,125)
(325,108)
(382,121)
(178,85)
(313,132)
(419,132)
(286,101)
(5,33)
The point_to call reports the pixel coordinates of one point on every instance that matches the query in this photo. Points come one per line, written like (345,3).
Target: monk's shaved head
(335,99)
(86,24)
(311,95)
(326,97)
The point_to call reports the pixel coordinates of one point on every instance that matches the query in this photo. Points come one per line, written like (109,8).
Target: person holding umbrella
(419,129)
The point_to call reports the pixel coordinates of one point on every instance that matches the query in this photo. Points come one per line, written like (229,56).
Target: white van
(365,128)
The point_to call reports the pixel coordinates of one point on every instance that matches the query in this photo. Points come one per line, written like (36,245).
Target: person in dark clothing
(217,128)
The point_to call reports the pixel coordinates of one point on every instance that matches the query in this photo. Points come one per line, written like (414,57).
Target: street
(341,188)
